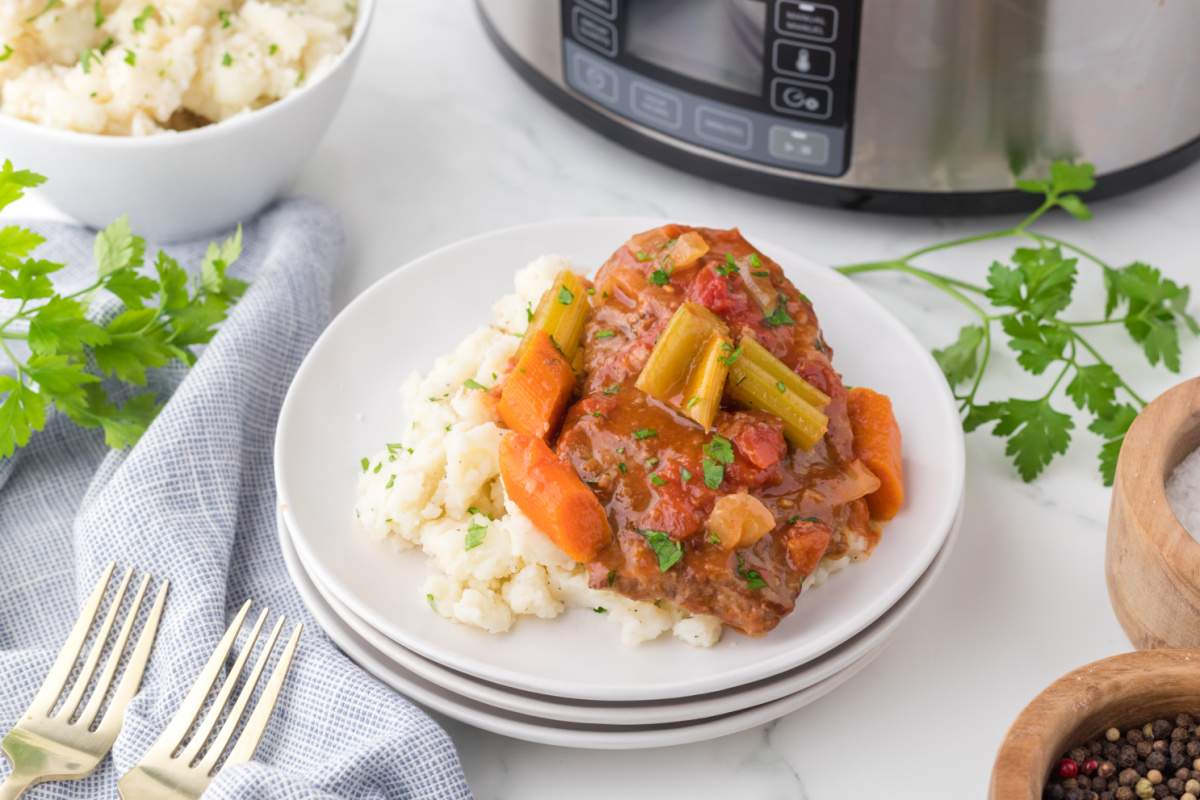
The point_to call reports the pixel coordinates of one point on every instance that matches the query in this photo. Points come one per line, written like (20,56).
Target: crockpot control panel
(770,81)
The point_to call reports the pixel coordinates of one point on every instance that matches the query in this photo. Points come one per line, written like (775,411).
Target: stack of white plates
(569,681)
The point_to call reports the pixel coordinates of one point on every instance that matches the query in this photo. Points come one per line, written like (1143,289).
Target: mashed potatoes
(439,489)
(136,67)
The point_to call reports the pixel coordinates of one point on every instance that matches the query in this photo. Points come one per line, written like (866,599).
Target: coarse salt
(1183,493)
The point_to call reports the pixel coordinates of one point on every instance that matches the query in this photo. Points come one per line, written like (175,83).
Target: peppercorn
(1179,734)
(1147,731)
(1176,746)
(1144,789)
(1182,774)
(1160,728)
(1185,721)
(1161,792)
(1192,786)
(1160,745)
(1188,796)
(1128,756)
(1113,735)
(1112,750)
(1128,777)
(1156,761)
(1134,735)
(1144,748)
(1106,769)
(1193,748)
(1154,776)
(1196,765)
(1089,766)
(1054,792)
(1124,793)
(1178,760)
(1067,768)
(1175,785)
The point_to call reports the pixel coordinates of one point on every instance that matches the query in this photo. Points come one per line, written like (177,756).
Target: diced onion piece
(684,252)
(759,288)
(750,384)
(779,371)
(739,520)
(857,481)
(667,371)
(561,313)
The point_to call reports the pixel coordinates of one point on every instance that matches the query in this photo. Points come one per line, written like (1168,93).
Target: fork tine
(243,749)
(136,665)
(114,658)
(71,705)
(214,712)
(56,681)
(193,703)
(239,706)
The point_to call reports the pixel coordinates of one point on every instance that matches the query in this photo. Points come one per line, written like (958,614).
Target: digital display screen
(718,42)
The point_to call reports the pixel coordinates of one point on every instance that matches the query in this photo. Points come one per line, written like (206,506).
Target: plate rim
(737,676)
(555,708)
(563,734)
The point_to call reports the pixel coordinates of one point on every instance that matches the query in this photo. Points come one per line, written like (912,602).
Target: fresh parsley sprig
(161,319)
(1025,299)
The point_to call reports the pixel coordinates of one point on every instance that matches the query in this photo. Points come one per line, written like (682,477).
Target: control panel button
(804,60)
(797,146)
(724,128)
(807,20)
(598,34)
(595,78)
(606,7)
(801,99)
(656,106)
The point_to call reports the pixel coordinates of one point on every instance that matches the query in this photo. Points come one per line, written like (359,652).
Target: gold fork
(49,746)
(173,771)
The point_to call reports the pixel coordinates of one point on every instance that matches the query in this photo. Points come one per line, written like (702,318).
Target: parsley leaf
(668,551)
(959,360)
(660,277)
(644,433)
(1035,431)
(471,383)
(476,533)
(117,248)
(752,578)
(719,449)
(605,334)
(1111,428)
(779,316)
(565,296)
(714,473)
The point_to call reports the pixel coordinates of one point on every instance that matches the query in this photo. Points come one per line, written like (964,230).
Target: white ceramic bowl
(343,404)
(193,183)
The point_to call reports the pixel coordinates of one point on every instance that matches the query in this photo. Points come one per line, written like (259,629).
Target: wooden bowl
(1152,564)
(1129,689)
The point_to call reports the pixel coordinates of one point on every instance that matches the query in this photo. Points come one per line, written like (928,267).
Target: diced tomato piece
(759,443)
(807,541)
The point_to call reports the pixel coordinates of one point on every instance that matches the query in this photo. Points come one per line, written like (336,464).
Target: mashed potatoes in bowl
(129,67)
(269,74)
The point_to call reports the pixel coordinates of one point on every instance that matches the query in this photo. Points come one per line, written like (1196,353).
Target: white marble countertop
(439,140)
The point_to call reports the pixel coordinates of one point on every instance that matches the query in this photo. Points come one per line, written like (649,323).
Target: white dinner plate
(550,732)
(344,403)
(638,713)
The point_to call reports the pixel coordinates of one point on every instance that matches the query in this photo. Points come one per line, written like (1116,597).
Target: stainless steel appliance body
(898,105)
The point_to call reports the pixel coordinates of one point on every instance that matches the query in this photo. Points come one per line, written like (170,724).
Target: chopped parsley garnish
(225,18)
(780,315)
(98,14)
(685,474)
(391,481)
(623,467)
(273,49)
(378,467)
(139,22)
(429,599)
(227,60)
(729,268)
(614,389)
(393,449)
(750,576)
(106,45)
(717,453)
(792,520)
(781,386)
(712,538)
(612,577)
(366,463)
(476,533)
(471,383)
(85,61)
(621,450)
(658,480)
(762,273)
(660,277)
(565,296)
(600,610)
(529,312)
(693,400)
(642,255)
(651,462)
(605,334)
(131,58)
(731,354)
(7,54)
(667,549)
(644,433)
(754,261)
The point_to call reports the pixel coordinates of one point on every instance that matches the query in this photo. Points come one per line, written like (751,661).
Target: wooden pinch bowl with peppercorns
(1116,692)
(1152,563)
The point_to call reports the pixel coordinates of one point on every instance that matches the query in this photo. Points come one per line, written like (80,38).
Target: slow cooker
(922,106)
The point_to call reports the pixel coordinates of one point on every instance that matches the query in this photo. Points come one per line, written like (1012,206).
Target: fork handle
(15,785)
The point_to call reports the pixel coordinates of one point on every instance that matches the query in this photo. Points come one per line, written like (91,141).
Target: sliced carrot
(553,496)
(537,391)
(877,444)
